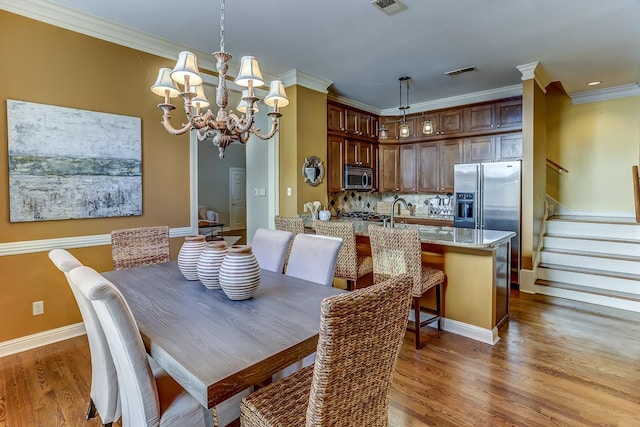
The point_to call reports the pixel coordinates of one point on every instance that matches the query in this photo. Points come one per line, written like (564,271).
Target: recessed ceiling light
(594,83)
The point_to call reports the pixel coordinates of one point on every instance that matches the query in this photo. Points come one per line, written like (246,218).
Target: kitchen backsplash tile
(349,201)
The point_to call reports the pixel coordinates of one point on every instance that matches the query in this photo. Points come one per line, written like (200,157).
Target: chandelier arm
(237,124)
(244,137)
(272,131)
(166,122)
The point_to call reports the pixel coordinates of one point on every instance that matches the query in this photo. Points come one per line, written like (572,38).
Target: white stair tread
(594,254)
(595,238)
(588,289)
(592,271)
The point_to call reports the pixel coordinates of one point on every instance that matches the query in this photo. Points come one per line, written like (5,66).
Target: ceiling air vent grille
(460,71)
(390,7)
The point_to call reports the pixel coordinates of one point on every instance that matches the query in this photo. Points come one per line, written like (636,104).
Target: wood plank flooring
(558,363)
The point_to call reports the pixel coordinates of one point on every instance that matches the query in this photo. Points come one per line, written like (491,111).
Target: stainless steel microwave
(358,178)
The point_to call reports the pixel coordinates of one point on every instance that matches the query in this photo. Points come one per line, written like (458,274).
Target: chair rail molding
(45,245)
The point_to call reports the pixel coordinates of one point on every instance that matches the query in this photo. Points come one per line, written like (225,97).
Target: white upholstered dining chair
(149,396)
(103,396)
(313,257)
(270,248)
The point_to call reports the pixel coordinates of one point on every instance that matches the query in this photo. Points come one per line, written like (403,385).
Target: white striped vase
(209,264)
(239,273)
(189,255)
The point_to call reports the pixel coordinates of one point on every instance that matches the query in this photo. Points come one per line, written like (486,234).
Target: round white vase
(209,263)
(239,273)
(189,255)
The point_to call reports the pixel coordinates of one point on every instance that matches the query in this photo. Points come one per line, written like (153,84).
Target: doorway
(237,198)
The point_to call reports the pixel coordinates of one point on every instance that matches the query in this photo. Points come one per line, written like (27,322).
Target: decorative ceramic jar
(189,255)
(209,264)
(239,273)
(324,215)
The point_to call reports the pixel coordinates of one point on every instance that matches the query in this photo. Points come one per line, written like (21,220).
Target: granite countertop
(439,235)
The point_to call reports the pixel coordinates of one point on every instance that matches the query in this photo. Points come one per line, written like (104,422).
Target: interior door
(237,198)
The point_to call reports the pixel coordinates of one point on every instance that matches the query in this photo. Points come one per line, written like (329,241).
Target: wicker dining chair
(293,224)
(361,333)
(134,247)
(398,251)
(350,265)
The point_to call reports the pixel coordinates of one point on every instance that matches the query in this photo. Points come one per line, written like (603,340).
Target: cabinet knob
(497,126)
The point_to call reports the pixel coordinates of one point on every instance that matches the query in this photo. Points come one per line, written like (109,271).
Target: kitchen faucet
(393,209)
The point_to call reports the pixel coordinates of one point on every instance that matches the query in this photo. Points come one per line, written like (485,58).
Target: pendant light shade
(427,127)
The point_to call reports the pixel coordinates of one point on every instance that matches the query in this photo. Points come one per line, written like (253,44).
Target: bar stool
(396,251)
(350,265)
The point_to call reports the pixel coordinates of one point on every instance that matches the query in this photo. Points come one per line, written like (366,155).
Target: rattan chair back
(294,224)
(396,251)
(134,247)
(361,333)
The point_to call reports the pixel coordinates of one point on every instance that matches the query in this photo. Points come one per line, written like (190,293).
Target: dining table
(215,347)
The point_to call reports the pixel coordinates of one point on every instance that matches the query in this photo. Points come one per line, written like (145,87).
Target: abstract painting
(66,163)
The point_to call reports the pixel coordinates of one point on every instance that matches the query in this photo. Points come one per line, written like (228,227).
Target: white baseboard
(487,336)
(42,338)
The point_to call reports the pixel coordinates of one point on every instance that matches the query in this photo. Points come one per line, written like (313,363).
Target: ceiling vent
(390,7)
(459,71)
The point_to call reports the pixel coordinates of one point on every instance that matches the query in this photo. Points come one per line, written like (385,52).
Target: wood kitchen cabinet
(503,115)
(435,162)
(389,158)
(344,120)
(335,164)
(446,122)
(408,171)
(491,148)
(358,153)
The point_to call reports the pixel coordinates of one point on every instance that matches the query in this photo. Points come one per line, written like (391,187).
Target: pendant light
(404,127)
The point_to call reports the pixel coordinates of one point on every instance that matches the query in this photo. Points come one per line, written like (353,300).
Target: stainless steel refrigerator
(487,196)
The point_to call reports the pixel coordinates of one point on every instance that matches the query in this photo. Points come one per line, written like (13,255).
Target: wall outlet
(288,191)
(38,307)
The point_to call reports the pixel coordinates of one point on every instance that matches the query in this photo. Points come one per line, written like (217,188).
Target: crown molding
(534,70)
(454,101)
(300,78)
(63,17)
(354,104)
(604,94)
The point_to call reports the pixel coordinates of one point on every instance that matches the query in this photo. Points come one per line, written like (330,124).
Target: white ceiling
(363,52)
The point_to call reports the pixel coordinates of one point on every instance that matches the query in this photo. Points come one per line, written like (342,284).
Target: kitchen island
(476,263)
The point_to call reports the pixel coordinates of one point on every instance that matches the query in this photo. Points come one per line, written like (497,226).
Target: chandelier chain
(222,26)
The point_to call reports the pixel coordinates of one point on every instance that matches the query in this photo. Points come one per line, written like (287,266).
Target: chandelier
(404,129)
(185,81)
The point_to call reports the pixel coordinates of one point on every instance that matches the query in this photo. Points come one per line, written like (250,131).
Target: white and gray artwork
(66,163)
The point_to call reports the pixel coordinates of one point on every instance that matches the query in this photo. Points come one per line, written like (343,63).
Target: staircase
(591,259)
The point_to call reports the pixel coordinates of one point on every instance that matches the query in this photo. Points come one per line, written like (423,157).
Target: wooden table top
(213,346)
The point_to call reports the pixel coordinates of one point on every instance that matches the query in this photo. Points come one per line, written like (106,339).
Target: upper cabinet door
(451,122)
(509,114)
(335,118)
(481,117)
(352,122)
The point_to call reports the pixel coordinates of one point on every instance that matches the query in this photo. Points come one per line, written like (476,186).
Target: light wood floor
(558,363)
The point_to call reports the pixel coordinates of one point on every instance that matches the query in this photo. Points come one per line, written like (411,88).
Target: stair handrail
(636,190)
(556,167)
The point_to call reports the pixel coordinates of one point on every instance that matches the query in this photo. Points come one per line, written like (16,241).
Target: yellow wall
(49,65)
(303,134)
(597,142)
